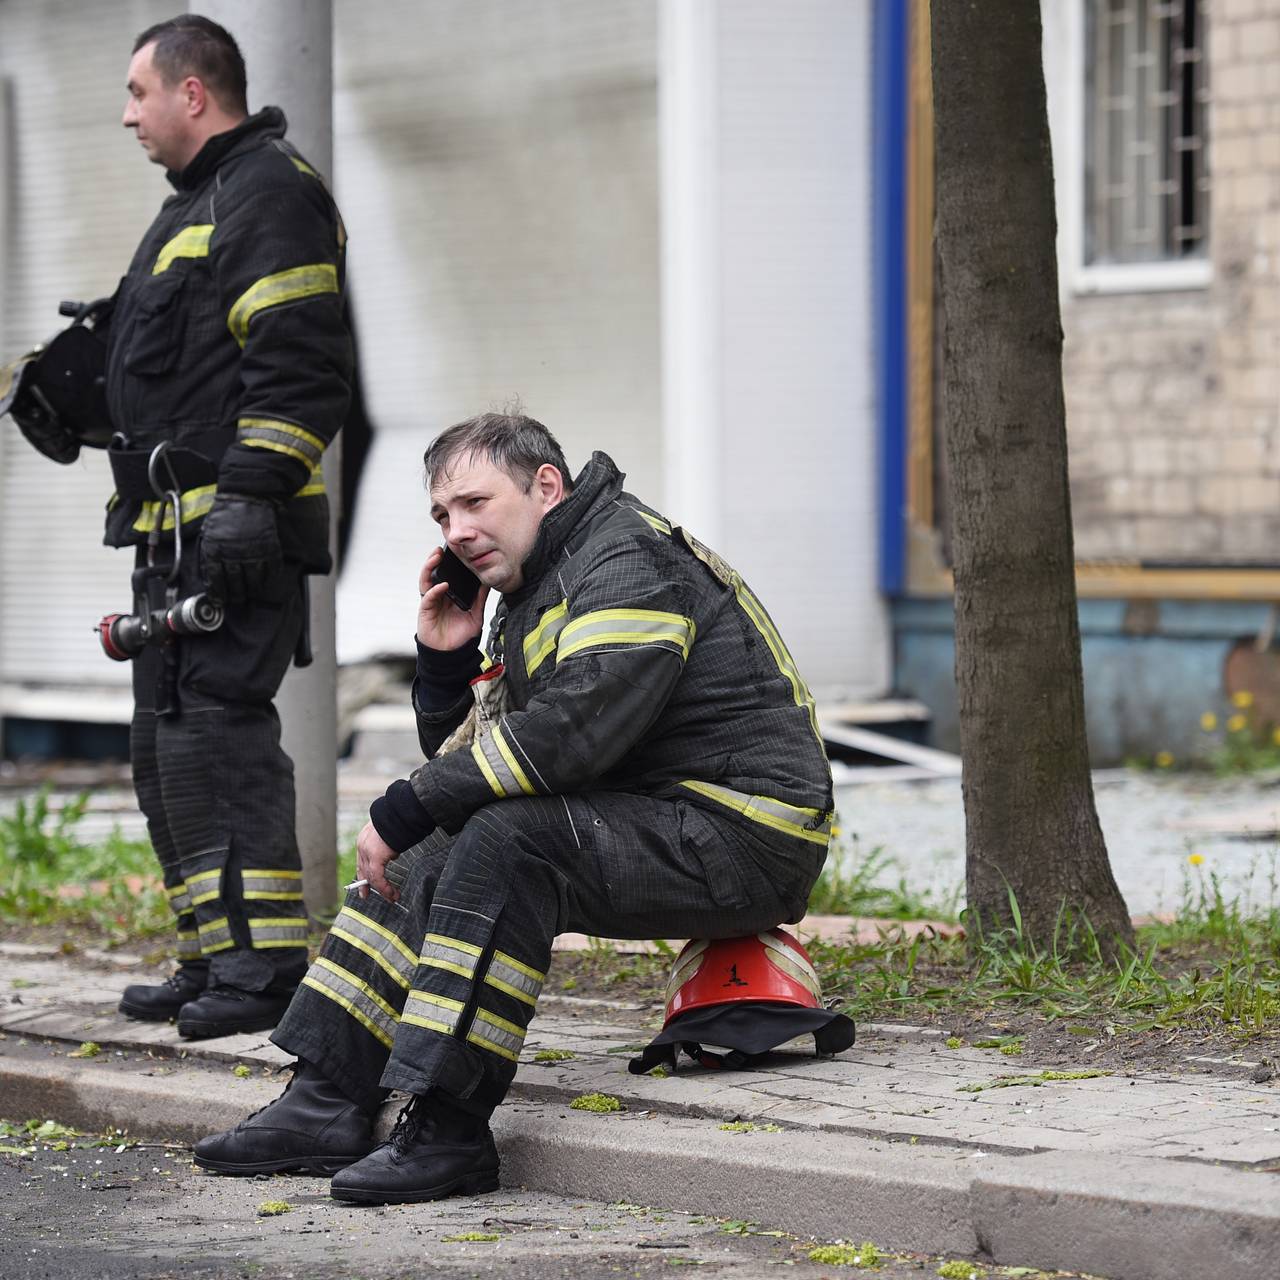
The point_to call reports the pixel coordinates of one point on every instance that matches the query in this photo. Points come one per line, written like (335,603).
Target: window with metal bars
(1146,174)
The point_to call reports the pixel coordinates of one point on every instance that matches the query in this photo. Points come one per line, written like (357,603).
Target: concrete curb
(1141,1219)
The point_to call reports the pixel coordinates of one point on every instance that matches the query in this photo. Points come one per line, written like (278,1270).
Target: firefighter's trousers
(217,791)
(436,991)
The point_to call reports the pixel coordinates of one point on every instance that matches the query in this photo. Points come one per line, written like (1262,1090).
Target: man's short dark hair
(519,445)
(191,45)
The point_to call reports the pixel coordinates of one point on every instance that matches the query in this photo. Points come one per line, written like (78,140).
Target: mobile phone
(461,585)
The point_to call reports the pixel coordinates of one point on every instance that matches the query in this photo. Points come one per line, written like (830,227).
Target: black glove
(240,554)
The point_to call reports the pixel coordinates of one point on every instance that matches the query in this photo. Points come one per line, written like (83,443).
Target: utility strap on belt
(186,467)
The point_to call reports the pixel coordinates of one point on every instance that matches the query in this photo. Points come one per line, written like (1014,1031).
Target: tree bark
(1031,825)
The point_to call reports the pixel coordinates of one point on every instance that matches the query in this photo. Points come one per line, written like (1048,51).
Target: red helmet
(769,966)
(746,996)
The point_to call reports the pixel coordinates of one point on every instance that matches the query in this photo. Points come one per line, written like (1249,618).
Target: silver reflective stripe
(392,957)
(540,643)
(356,997)
(805,824)
(508,974)
(278,886)
(497,1035)
(439,952)
(281,437)
(436,1013)
(215,935)
(499,765)
(188,945)
(792,963)
(179,899)
(205,886)
(687,964)
(626,627)
(281,932)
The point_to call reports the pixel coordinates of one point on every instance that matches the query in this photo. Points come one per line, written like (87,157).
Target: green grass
(853,885)
(1217,968)
(41,851)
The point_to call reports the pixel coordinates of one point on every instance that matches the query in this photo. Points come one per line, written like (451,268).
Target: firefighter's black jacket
(637,661)
(229,336)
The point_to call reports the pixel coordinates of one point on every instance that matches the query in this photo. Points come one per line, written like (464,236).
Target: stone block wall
(1173,398)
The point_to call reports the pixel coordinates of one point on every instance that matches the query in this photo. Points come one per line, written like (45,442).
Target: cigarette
(356,884)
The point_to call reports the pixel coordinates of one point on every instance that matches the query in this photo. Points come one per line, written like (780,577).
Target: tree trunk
(1031,826)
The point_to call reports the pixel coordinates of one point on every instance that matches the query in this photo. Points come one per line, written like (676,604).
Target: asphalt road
(146,1213)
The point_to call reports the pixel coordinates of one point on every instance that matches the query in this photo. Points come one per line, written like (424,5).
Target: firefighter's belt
(182,468)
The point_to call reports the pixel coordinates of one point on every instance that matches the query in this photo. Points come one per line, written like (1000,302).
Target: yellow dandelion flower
(1236,723)
(1164,759)
(1242,698)
(1208,722)
(1196,859)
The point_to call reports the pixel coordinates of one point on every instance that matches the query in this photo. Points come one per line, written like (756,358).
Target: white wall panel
(767,203)
(79,193)
(496,166)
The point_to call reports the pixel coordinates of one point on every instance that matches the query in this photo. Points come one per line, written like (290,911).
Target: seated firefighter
(636,756)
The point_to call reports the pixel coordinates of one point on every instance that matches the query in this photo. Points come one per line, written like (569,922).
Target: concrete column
(288,50)
(688,141)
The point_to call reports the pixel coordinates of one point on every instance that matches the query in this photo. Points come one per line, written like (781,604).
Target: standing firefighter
(636,757)
(227,372)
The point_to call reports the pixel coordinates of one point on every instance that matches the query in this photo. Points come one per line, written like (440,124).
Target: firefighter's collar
(269,123)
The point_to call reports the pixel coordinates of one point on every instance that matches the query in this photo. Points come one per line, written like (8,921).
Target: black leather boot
(435,1150)
(162,1002)
(227,1011)
(312,1127)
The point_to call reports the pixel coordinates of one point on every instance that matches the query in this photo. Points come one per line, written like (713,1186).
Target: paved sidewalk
(900,1140)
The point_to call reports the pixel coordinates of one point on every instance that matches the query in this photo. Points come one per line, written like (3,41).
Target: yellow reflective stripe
(272,886)
(781,655)
(373,953)
(627,627)
(195,504)
(278,931)
(188,946)
(275,290)
(806,824)
(303,167)
(541,641)
(276,447)
(190,242)
(179,900)
(211,878)
(215,935)
(357,922)
(442,1016)
(360,1000)
(314,485)
(492,756)
(508,974)
(451,954)
(497,1035)
(477,752)
(266,431)
(656,521)
(513,764)
(485,661)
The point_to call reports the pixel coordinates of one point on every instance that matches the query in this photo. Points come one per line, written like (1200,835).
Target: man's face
(489,520)
(159,113)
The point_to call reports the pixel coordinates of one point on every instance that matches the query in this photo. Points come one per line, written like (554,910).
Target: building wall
(496,163)
(1173,396)
(78,194)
